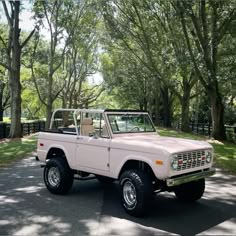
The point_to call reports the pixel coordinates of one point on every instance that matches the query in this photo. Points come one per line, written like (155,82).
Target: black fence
(206,129)
(36,126)
(27,128)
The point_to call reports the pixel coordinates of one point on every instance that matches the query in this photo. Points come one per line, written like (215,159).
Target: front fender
(116,166)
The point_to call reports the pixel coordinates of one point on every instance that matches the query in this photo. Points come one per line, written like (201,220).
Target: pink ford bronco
(122,145)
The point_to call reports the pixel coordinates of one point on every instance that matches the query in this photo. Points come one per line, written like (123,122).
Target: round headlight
(208,156)
(174,163)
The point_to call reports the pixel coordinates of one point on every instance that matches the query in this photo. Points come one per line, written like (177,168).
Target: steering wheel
(135,128)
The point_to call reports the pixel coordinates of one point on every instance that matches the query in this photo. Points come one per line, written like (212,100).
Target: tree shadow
(27,208)
(169,215)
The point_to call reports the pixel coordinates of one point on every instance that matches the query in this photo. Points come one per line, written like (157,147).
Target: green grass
(6,119)
(23,120)
(16,149)
(225,152)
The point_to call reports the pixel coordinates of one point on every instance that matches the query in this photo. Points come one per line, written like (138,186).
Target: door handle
(79,138)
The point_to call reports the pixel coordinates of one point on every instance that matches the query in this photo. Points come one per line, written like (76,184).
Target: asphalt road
(27,208)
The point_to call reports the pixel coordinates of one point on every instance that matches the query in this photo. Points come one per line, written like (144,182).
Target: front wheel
(58,176)
(136,192)
(191,191)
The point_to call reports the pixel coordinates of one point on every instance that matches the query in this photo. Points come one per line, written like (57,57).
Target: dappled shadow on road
(225,228)
(170,216)
(27,208)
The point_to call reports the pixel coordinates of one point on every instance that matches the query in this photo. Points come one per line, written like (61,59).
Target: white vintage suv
(122,145)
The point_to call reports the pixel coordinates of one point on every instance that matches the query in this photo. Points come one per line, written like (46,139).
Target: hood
(154,143)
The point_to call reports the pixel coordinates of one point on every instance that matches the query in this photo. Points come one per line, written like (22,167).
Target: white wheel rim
(54,176)
(129,193)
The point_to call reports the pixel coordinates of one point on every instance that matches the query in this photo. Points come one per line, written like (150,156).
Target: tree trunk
(75,101)
(1,114)
(15,85)
(64,101)
(49,97)
(145,102)
(48,113)
(166,106)
(185,115)
(157,111)
(157,102)
(141,106)
(2,86)
(185,106)
(217,114)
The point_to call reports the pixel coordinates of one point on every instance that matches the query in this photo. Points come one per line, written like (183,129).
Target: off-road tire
(61,182)
(190,192)
(141,184)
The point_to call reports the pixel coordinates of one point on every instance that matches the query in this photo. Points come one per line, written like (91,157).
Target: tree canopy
(176,59)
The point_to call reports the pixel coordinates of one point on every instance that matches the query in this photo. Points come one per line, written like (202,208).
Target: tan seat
(87,127)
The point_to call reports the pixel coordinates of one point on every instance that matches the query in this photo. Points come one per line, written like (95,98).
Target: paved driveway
(27,208)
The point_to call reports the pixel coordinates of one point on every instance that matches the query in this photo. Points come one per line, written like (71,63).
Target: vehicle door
(93,143)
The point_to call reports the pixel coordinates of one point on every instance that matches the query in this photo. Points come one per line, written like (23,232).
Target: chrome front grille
(190,160)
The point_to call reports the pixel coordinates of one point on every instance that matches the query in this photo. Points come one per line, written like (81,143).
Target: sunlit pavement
(27,208)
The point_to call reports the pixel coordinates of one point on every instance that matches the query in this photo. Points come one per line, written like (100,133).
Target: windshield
(130,123)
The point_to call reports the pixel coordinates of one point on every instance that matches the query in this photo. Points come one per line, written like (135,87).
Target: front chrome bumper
(189,178)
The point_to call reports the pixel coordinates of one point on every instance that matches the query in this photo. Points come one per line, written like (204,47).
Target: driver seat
(87,127)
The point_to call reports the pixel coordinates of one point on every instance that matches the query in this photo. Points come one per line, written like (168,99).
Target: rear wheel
(191,191)
(58,176)
(136,192)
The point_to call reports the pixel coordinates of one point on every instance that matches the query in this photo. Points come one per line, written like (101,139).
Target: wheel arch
(54,152)
(138,165)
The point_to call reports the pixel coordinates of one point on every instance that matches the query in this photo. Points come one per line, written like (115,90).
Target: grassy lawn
(225,152)
(6,119)
(16,149)
(23,120)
